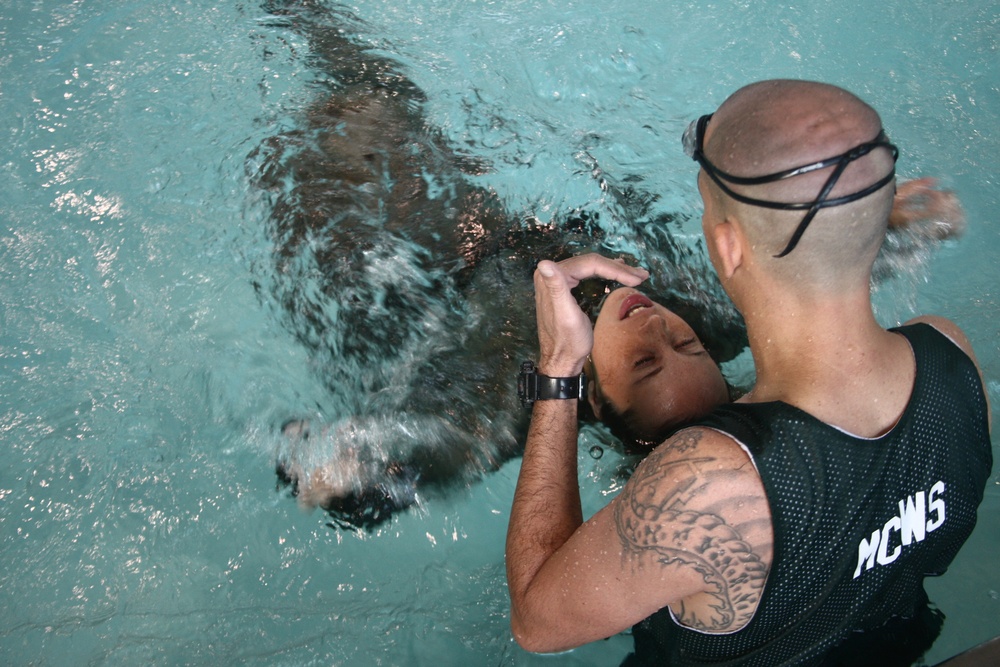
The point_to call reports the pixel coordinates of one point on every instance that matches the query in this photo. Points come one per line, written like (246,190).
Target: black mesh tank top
(858,522)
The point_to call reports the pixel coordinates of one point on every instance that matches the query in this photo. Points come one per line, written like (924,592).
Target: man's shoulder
(708,447)
(700,435)
(695,501)
(947,328)
(952,332)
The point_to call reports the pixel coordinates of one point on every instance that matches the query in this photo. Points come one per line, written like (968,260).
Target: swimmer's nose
(657,328)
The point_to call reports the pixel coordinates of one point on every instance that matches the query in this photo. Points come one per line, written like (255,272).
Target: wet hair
(614,420)
(631,442)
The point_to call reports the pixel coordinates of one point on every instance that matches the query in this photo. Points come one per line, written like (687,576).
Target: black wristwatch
(533,386)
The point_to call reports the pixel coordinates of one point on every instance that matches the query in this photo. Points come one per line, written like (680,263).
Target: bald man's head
(774,126)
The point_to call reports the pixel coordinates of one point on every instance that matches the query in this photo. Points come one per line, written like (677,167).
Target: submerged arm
(922,207)
(922,217)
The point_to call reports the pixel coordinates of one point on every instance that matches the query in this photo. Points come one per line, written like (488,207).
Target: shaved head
(777,125)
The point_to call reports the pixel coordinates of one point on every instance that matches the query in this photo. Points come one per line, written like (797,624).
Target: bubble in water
(596,452)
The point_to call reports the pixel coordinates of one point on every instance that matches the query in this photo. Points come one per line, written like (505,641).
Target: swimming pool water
(143,377)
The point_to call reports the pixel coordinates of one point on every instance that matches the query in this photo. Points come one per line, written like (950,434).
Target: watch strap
(534,386)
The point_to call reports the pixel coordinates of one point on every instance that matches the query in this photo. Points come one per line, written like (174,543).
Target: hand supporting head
(565,334)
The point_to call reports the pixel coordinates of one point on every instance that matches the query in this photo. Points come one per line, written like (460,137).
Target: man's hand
(565,335)
(921,207)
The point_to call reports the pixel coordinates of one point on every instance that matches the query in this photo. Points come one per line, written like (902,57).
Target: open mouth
(632,304)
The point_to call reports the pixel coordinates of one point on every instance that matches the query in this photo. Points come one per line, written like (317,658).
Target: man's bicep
(682,533)
(698,506)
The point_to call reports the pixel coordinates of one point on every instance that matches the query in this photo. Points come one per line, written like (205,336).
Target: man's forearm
(546,508)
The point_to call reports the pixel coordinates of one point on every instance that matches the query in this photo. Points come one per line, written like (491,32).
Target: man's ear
(594,398)
(728,238)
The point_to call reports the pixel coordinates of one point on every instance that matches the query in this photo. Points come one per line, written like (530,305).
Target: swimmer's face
(650,366)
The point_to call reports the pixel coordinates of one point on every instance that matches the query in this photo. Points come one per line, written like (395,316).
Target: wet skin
(650,366)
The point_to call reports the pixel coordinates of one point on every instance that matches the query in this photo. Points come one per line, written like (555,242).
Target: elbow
(523,638)
(531,638)
(529,641)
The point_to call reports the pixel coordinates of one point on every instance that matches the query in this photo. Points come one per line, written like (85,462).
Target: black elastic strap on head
(694,141)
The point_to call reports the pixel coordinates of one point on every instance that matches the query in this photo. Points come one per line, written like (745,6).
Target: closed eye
(690,346)
(646,367)
(643,361)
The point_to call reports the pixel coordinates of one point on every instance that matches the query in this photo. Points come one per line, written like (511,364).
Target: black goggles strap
(812,208)
(822,201)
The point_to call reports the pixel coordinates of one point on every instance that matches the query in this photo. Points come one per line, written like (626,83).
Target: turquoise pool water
(143,377)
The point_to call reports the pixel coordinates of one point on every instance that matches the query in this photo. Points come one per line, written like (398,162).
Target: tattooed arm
(690,530)
(684,507)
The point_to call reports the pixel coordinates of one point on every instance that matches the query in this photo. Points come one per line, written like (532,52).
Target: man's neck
(831,358)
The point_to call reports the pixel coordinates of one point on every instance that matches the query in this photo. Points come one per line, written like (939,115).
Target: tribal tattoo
(653,515)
